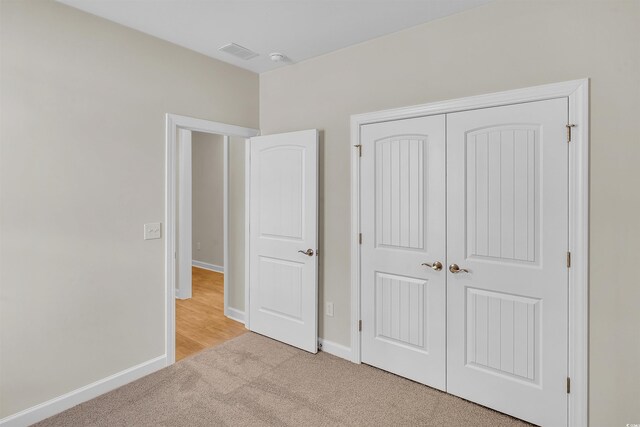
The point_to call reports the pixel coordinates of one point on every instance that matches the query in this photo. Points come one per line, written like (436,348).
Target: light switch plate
(152,231)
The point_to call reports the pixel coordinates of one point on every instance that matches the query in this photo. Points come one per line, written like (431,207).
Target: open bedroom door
(283,238)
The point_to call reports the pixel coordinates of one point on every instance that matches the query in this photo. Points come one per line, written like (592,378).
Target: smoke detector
(238,51)
(277,57)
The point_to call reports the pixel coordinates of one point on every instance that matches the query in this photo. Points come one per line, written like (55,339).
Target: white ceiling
(300,29)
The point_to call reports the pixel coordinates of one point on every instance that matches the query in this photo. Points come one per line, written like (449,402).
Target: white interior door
(403,227)
(507,220)
(283,290)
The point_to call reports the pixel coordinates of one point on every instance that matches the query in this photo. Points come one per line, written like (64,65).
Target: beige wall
(236,222)
(503,45)
(81,170)
(207,173)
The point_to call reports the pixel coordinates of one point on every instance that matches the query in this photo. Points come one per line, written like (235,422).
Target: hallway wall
(207,166)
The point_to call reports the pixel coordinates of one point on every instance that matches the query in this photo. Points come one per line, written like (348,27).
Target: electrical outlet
(198,246)
(152,231)
(329,309)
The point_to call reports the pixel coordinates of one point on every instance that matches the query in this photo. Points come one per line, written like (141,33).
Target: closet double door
(464,280)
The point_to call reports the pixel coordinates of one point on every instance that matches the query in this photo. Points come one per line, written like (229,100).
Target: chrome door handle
(455,269)
(437,266)
(308,252)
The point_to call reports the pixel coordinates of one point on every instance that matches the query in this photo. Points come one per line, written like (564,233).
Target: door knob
(437,266)
(308,252)
(455,269)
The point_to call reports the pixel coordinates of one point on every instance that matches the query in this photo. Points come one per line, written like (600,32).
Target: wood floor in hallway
(200,320)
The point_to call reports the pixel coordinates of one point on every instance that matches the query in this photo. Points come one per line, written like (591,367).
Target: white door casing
(403,226)
(507,194)
(283,301)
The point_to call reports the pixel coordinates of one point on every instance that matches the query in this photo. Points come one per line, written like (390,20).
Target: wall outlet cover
(329,309)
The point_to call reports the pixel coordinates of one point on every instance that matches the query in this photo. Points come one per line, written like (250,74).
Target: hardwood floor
(200,321)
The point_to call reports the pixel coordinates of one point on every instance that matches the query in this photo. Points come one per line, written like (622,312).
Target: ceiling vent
(238,51)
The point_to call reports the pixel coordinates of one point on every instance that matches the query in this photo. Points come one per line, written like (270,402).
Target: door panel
(283,287)
(507,195)
(501,170)
(403,226)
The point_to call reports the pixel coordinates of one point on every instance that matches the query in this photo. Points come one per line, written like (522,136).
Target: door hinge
(360,238)
(359,147)
(569,132)
(568,259)
(568,385)
(360,325)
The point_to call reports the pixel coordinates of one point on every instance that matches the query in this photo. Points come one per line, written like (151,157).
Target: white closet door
(403,226)
(283,291)
(508,226)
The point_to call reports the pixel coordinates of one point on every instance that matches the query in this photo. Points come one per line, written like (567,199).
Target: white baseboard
(68,400)
(336,349)
(207,266)
(235,314)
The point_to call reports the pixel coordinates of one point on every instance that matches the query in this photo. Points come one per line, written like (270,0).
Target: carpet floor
(253,380)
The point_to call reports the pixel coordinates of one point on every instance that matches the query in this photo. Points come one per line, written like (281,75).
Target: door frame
(174,123)
(577,92)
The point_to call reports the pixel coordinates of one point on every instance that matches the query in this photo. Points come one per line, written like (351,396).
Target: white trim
(173,123)
(68,400)
(579,247)
(170,238)
(210,267)
(247,221)
(235,314)
(517,96)
(356,122)
(225,222)
(338,350)
(577,91)
(208,126)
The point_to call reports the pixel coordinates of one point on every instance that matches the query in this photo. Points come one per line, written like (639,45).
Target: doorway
(200,291)
(183,279)
(469,253)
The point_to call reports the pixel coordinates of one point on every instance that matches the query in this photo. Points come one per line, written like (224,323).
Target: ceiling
(300,29)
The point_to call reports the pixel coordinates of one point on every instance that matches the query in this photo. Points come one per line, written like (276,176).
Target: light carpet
(253,380)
